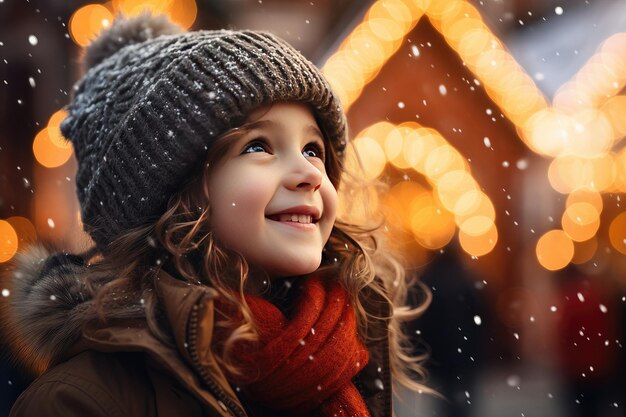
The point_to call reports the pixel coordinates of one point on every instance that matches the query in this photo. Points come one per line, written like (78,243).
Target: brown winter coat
(122,369)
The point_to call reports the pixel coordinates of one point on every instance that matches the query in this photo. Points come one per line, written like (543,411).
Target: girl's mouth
(293,218)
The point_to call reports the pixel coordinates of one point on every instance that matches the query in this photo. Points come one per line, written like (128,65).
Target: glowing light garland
(454,200)
(579,129)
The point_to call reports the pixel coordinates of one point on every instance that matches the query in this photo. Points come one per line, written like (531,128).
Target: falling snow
(6,293)
(513,381)
(443,90)
(558,10)
(521,164)
(32,39)
(51,223)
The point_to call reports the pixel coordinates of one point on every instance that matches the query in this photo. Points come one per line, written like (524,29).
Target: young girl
(221,281)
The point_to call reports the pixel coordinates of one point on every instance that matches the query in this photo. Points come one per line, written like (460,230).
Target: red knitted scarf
(304,365)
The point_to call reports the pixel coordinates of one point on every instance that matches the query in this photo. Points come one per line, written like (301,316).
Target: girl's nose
(303,175)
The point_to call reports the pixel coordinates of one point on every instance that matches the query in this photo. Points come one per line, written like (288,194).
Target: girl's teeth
(296,218)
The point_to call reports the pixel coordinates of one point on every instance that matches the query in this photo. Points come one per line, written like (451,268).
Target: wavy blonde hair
(185,245)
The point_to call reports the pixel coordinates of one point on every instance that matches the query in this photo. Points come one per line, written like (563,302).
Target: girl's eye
(313,150)
(255,146)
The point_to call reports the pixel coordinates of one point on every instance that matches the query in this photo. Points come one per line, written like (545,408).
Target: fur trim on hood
(46,306)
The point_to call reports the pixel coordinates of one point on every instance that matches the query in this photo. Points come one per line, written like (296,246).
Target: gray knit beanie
(154,99)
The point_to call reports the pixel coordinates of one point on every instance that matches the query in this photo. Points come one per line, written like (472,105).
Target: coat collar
(180,302)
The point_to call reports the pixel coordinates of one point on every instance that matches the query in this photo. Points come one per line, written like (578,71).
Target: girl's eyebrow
(274,125)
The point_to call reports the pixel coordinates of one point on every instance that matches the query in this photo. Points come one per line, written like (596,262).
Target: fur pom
(46,308)
(125,32)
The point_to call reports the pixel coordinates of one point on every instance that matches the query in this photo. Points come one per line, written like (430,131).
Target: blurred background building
(499,126)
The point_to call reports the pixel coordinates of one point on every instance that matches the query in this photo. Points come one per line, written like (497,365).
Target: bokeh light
(580,221)
(8,241)
(617,233)
(88,21)
(452,187)
(182,12)
(54,129)
(554,250)
(371,156)
(368,47)
(432,226)
(569,173)
(585,195)
(478,244)
(47,153)
(24,229)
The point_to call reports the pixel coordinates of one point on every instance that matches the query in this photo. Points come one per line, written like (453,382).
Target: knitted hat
(154,99)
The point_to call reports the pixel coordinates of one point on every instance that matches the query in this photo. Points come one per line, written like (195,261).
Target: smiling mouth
(294,218)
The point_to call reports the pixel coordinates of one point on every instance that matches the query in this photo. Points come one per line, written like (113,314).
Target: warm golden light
(432,226)
(136,7)
(452,186)
(183,12)
(371,156)
(442,159)
(47,153)
(394,146)
(8,241)
(614,109)
(476,225)
(554,250)
(54,131)
(617,232)
(568,173)
(580,221)
(399,202)
(358,206)
(480,244)
(474,203)
(421,146)
(441,10)
(620,171)
(87,22)
(370,45)
(24,228)
(585,195)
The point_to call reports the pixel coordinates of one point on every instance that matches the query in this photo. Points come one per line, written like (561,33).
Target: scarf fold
(304,365)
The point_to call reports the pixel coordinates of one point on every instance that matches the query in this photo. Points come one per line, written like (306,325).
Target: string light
(432,215)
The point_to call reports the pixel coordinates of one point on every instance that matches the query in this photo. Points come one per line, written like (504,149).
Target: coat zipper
(225,401)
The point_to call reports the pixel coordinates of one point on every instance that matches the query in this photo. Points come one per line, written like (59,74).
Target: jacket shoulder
(91,383)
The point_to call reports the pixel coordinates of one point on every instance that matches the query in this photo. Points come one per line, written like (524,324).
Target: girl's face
(271,199)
